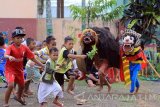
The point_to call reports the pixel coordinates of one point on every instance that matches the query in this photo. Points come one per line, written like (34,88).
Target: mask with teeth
(131,39)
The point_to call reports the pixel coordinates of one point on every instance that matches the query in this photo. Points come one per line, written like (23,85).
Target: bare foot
(91,85)
(70,92)
(6,105)
(100,88)
(59,104)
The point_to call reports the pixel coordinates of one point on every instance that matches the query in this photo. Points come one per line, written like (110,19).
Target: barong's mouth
(127,47)
(87,40)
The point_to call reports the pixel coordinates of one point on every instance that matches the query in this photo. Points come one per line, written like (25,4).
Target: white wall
(18,8)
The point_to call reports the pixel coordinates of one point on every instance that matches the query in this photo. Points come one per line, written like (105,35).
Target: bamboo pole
(153,68)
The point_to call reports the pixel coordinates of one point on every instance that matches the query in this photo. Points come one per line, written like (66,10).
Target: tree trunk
(49,18)
(62,8)
(58,8)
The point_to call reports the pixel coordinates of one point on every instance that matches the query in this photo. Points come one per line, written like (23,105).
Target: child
(92,79)
(64,64)
(2,59)
(14,66)
(31,69)
(73,73)
(4,35)
(48,84)
(44,52)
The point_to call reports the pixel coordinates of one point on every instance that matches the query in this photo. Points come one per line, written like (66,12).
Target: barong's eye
(88,34)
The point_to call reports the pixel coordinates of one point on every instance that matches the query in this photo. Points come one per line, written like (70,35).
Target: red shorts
(15,78)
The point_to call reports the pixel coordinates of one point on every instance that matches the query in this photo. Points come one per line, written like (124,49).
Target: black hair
(1,41)
(19,27)
(44,41)
(1,34)
(29,40)
(107,28)
(53,50)
(75,53)
(68,38)
(49,39)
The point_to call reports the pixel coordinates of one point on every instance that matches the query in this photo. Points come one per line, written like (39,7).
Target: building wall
(18,8)
(9,24)
(15,13)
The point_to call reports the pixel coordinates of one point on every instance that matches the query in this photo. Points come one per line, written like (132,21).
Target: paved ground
(149,96)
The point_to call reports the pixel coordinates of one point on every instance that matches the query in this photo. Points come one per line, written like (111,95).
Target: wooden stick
(153,68)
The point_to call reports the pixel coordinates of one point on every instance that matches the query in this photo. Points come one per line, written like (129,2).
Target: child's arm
(76,56)
(37,62)
(41,60)
(11,58)
(66,54)
(45,57)
(40,54)
(32,57)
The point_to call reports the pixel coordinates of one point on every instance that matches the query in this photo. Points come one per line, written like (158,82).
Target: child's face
(52,44)
(43,44)
(54,55)
(69,44)
(38,47)
(17,40)
(32,45)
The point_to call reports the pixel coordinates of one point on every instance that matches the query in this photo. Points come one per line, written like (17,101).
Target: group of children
(22,64)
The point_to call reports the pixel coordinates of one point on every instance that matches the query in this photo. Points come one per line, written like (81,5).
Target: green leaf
(157,17)
(92,53)
(132,23)
(115,13)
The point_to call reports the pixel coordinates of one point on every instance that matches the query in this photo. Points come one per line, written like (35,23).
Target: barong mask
(131,39)
(89,37)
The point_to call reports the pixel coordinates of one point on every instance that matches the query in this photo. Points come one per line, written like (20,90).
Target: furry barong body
(107,49)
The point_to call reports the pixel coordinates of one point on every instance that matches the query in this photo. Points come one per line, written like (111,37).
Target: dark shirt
(65,54)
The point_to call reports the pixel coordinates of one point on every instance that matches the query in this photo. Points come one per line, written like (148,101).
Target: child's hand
(32,64)
(11,58)
(83,56)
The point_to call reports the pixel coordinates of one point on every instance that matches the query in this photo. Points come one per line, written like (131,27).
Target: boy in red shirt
(14,66)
